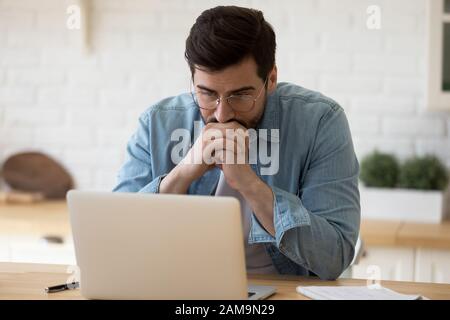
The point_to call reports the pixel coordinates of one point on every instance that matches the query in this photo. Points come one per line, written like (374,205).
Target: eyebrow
(231,92)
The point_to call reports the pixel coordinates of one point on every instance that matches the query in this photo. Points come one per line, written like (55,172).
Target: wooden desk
(27,281)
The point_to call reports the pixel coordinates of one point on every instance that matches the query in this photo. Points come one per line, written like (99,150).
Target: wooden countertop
(51,218)
(27,281)
(35,219)
(406,234)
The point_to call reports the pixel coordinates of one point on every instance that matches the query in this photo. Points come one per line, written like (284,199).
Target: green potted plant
(411,191)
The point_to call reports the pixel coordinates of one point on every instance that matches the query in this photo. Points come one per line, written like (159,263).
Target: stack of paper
(354,293)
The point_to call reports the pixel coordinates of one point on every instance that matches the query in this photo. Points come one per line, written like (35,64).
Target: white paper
(354,293)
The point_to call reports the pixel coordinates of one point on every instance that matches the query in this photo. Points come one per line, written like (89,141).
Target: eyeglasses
(238,102)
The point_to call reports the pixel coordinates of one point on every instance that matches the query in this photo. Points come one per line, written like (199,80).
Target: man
(300,217)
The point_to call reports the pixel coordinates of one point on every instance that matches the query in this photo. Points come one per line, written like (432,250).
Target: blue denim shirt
(316,199)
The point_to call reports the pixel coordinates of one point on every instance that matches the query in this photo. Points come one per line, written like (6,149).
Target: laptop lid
(155,246)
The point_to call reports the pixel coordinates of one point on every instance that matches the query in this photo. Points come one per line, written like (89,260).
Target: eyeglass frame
(219,99)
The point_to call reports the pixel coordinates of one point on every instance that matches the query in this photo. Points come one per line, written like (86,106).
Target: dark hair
(225,35)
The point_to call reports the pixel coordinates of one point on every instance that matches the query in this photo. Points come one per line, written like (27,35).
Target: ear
(272,80)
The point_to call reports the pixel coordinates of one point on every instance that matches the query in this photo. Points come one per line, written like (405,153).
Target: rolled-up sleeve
(318,227)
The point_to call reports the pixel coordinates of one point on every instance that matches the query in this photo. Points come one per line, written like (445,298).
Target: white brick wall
(83,108)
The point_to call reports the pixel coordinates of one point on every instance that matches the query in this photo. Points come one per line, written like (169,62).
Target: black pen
(62,287)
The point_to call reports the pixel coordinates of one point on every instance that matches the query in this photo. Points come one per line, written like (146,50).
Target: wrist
(184,174)
(176,181)
(250,185)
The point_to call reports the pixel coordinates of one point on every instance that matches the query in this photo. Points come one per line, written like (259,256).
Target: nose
(224,112)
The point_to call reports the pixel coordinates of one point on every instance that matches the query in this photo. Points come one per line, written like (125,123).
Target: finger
(208,152)
(238,140)
(223,157)
(228,128)
(226,151)
(231,125)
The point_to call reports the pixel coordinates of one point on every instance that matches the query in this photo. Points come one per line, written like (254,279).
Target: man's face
(239,79)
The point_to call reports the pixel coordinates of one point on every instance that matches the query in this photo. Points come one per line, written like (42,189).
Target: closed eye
(243,96)
(207,93)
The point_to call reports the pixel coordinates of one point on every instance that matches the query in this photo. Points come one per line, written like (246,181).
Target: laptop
(159,246)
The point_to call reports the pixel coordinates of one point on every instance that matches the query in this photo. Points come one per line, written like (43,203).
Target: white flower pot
(404,204)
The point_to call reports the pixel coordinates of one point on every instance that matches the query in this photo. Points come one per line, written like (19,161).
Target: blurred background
(75,94)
